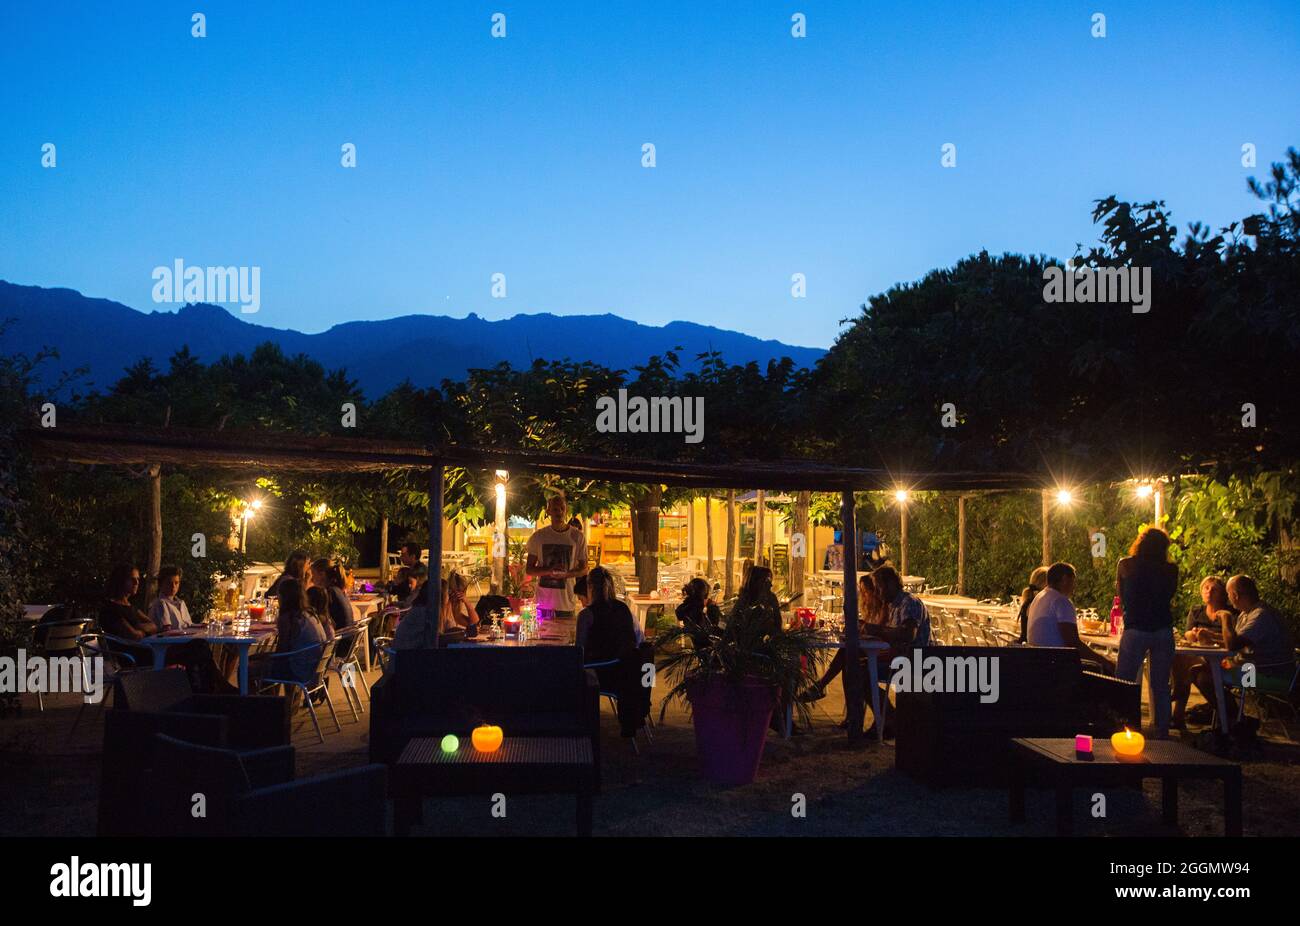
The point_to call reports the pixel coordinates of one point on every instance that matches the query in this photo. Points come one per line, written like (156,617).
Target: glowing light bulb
(1064,496)
(901,495)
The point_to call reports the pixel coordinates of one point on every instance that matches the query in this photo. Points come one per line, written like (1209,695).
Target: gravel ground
(49,780)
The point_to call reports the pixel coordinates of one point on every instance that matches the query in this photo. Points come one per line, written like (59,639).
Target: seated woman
(1037,582)
(120,619)
(295,567)
(1204,627)
(456,610)
(607,632)
(697,611)
(330,576)
(871,611)
(299,636)
(318,602)
(415,631)
(169,612)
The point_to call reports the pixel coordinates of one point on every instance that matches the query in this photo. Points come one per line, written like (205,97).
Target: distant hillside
(107,336)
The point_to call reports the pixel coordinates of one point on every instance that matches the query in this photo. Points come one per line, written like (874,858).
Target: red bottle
(1116,616)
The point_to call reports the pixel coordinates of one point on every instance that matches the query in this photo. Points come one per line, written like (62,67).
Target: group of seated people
(314,607)
(1232,616)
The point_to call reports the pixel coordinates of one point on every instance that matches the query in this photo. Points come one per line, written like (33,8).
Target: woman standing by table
(1146,582)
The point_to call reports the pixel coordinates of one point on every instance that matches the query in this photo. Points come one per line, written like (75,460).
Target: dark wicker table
(1053,762)
(523,765)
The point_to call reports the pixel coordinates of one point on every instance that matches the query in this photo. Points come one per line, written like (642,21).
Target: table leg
(873,680)
(159,657)
(1016,792)
(1169,800)
(1216,669)
(243,668)
(1232,803)
(584,813)
(1064,807)
(787,725)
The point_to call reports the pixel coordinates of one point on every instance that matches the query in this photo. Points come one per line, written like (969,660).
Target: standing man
(557,554)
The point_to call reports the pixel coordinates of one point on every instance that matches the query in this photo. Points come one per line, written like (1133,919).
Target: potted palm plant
(732,678)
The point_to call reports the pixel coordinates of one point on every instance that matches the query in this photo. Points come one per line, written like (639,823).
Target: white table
(873,681)
(641,605)
(160,641)
(1211,654)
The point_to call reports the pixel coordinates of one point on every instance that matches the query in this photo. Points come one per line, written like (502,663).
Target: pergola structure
(287,452)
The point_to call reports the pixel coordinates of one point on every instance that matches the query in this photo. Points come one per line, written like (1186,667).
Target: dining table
(259,632)
(1213,656)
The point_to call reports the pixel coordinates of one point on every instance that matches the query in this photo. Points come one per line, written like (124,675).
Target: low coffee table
(1054,760)
(523,765)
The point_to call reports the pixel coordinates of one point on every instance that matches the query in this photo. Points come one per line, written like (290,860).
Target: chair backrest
(155,691)
(488,683)
(61,636)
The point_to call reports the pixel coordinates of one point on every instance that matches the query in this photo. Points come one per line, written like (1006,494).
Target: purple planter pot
(730,728)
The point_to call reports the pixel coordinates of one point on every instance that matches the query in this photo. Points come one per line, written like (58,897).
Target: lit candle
(487,738)
(1127,743)
(1083,743)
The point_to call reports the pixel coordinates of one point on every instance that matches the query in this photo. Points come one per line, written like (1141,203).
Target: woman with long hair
(871,610)
(318,602)
(607,632)
(456,614)
(298,632)
(329,575)
(757,601)
(1147,581)
(697,611)
(295,567)
(1037,582)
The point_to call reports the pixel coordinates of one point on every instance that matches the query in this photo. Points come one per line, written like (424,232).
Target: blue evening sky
(522,155)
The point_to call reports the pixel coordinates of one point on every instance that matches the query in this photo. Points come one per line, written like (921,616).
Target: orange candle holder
(1128,744)
(487,738)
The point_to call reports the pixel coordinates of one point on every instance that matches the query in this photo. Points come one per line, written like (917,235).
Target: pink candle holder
(1083,744)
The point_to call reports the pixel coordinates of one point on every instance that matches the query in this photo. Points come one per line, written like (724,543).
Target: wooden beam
(853,675)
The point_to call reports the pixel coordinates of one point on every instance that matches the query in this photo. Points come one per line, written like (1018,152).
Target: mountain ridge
(106,337)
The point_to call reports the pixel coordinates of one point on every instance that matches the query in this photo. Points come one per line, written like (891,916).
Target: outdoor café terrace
(839,784)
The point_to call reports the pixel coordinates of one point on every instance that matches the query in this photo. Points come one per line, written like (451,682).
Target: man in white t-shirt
(1052,621)
(557,554)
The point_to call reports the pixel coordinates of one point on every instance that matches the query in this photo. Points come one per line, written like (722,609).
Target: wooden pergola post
(1047,534)
(383,550)
(902,538)
(155,532)
(760,523)
(435,553)
(961,544)
(729,580)
(853,683)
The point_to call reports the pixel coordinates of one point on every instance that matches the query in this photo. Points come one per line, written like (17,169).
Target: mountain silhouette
(105,337)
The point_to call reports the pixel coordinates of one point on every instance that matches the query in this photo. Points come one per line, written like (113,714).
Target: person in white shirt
(1052,621)
(557,554)
(168,612)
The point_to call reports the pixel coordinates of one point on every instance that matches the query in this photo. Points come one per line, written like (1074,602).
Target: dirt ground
(49,782)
